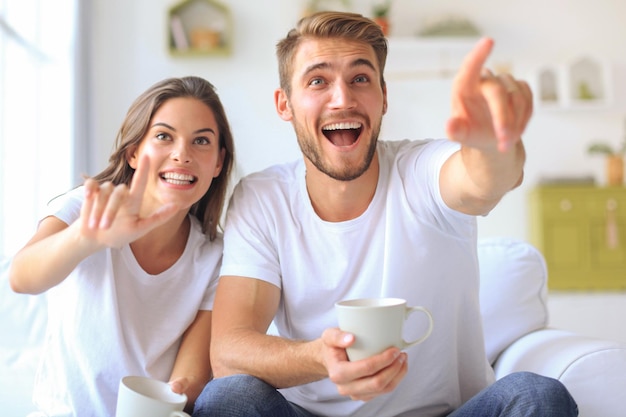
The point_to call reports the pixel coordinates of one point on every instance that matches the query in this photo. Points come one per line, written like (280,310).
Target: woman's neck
(159,249)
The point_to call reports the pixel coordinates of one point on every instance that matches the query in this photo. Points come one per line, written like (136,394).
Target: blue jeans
(516,395)
(521,394)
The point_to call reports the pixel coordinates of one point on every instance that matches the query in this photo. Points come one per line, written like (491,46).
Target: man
(358,217)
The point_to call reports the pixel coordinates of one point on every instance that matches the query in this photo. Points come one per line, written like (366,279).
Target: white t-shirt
(109,318)
(407,244)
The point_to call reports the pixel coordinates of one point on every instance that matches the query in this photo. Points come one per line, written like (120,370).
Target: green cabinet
(581,230)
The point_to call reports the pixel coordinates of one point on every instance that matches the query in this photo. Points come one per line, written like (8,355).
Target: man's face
(336,105)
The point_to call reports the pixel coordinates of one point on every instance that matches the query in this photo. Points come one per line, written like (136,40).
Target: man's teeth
(343,126)
(177,178)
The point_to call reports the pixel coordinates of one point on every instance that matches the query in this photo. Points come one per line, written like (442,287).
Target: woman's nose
(181,153)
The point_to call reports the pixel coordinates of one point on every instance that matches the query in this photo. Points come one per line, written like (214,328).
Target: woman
(129,261)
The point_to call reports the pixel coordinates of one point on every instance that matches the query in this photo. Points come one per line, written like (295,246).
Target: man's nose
(342,96)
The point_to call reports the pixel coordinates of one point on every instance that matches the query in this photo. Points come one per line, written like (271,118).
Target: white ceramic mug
(377,324)
(140,396)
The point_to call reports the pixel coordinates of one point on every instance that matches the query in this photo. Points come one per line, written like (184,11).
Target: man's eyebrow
(356,63)
(362,61)
(206,129)
(314,67)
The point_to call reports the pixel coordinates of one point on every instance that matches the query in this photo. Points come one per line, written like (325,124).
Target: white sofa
(513,302)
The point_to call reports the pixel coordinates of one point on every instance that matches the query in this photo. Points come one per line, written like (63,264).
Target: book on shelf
(178,33)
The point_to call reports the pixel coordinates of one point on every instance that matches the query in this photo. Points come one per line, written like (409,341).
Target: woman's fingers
(102,204)
(115,201)
(99,203)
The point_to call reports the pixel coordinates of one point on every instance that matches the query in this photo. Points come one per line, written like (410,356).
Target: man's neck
(337,201)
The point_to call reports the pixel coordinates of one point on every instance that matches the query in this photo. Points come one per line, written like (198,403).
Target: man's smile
(343,133)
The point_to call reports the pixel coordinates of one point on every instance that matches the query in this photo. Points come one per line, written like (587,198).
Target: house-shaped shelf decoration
(586,78)
(548,86)
(199,27)
(581,83)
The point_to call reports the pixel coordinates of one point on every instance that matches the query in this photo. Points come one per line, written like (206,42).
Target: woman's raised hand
(111,214)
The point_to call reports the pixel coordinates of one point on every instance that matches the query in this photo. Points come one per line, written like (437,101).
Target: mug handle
(424,310)
(179,414)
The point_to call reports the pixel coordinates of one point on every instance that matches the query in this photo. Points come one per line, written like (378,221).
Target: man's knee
(235,395)
(547,396)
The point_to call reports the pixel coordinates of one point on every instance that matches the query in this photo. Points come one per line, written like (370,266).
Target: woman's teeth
(177,178)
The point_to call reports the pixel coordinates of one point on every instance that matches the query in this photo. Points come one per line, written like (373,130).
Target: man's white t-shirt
(407,244)
(109,318)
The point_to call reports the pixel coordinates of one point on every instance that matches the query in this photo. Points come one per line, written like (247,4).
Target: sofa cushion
(513,291)
(591,369)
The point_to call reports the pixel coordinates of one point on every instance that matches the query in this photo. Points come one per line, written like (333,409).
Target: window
(38,51)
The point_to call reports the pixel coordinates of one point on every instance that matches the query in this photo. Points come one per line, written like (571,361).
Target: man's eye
(316,81)
(361,79)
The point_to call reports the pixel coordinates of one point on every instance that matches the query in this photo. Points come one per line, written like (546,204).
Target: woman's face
(182,143)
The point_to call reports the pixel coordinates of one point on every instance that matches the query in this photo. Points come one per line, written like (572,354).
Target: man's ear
(281,101)
(384,98)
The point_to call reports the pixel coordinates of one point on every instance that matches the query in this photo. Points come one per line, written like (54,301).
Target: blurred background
(69,70)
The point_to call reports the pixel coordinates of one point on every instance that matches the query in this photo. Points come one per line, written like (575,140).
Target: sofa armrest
(593,370)
(22,327)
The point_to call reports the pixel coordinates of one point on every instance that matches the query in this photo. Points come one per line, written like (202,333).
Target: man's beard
(347,172)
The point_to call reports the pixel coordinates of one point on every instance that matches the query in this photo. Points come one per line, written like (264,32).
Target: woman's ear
(281,101)
(220,163)
(132,158)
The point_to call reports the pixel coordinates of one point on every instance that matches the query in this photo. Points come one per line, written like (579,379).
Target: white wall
(129,54)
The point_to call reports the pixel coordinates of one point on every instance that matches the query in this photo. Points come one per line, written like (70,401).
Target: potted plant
(381,16)
(614,160)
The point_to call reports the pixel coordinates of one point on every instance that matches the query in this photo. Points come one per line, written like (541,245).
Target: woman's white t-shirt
(109,318)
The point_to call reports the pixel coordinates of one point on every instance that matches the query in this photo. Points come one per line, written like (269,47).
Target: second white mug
(141,396)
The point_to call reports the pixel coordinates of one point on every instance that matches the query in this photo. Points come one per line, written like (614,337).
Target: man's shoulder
(395,146)
(284,172)
(401,149)
(275,180)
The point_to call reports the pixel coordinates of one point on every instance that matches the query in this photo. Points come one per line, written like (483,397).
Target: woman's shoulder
(66,206)
(200,241)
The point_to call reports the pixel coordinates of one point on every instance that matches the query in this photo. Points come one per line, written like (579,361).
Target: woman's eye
(162,136)
(202,141)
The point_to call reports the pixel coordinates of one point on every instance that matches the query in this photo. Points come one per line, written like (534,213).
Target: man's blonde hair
(349,26)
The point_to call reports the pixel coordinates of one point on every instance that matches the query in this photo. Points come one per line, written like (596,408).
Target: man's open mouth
(342,134)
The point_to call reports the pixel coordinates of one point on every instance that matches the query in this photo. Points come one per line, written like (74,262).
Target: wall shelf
(199,28)
(583,83)
(426,57)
